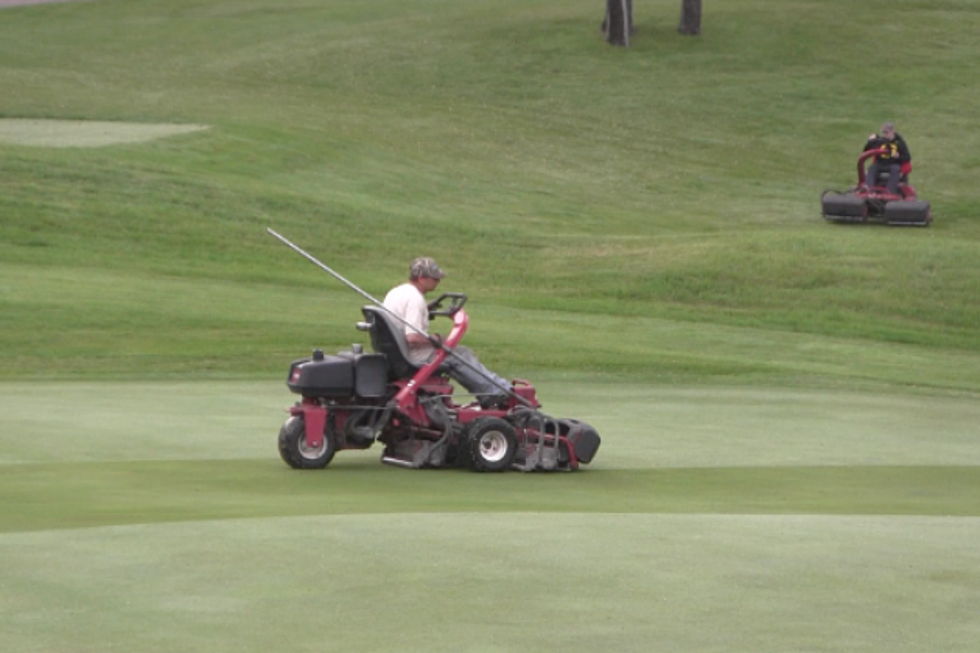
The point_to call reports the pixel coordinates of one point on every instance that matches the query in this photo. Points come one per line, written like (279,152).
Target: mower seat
(883,175)
(388,338)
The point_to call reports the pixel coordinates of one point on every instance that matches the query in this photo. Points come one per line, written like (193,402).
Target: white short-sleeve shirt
(407,302)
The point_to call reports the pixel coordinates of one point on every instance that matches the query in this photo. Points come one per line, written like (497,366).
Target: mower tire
(488,444)
(297,453)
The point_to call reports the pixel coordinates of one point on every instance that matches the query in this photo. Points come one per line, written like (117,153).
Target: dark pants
(464,367)
(894,175)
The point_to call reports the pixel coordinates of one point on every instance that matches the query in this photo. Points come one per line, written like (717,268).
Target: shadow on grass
(42,497)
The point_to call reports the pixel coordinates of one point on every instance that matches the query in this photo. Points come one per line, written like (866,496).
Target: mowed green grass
(465,582)
(112,453)
(156,516)
(790,457)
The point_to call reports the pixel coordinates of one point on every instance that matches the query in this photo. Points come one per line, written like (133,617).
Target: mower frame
(353,399)
(863,204)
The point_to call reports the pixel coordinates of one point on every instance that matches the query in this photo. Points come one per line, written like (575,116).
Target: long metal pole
(322,266)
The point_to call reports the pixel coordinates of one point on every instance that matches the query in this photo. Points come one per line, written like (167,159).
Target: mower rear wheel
(489,444)
(296,451)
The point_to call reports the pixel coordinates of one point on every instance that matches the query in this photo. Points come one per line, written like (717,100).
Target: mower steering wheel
(457,299)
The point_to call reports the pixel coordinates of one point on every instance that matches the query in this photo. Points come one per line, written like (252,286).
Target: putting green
(475,582)
(85,133)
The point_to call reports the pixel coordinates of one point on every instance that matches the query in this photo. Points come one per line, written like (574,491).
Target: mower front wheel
(489,444)
(296,451)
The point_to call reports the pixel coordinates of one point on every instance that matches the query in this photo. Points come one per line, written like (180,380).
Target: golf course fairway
(158,517)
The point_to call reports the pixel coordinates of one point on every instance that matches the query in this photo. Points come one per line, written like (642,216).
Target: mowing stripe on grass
(642,426)
(91,454)
(42,497)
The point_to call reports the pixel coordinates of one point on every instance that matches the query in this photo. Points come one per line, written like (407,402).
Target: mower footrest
(543,455)
(398,462)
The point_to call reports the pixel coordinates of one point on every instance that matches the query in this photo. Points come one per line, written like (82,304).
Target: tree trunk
(618,24)
(690,17)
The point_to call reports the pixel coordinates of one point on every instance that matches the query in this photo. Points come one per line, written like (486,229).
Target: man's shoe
(489,402)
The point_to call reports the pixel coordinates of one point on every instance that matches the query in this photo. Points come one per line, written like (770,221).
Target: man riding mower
(884,194)
(354,398)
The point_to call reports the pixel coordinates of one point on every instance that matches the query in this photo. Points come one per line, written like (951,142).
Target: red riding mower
(354,398)
(863,204)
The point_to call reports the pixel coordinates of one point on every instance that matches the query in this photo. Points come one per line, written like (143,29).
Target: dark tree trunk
(618,24)
(690,17)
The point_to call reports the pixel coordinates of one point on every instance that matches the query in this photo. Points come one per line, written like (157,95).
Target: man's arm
(874,142)
(418,340)
(904,155)
(416,315)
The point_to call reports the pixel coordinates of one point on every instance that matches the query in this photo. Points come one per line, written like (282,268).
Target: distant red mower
(863,204)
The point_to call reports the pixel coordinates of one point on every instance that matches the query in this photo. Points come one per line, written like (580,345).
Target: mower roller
(355,398)
(875,204)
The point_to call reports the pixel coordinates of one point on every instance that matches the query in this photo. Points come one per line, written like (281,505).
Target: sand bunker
(85,133)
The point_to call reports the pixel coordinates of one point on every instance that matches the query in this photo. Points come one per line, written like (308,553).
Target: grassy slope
(675,182)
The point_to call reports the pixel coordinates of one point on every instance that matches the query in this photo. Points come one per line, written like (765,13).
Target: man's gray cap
(425,267)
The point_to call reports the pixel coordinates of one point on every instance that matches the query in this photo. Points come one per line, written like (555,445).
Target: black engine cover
(345,375)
